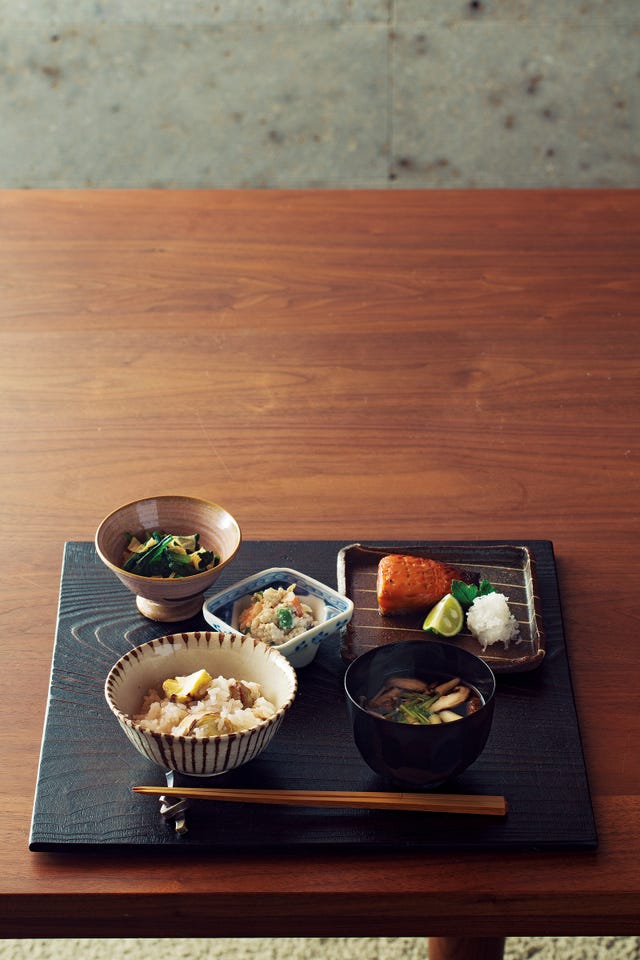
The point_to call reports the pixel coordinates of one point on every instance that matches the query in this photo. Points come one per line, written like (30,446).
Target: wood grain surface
(85,784)
(327,365)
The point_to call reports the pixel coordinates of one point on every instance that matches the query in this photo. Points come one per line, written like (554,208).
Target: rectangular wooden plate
(511,569)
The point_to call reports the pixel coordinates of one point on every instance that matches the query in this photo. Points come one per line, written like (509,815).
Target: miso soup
(416,701)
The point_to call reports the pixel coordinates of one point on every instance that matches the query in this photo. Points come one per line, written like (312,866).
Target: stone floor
(331,93)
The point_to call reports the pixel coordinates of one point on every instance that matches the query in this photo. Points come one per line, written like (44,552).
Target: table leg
(466,948)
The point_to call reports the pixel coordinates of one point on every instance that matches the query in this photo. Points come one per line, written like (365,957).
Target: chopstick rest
(495,806)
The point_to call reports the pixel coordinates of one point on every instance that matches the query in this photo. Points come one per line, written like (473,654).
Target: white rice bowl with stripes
(230,660)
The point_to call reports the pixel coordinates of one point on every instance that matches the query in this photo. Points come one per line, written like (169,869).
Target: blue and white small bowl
(331,609)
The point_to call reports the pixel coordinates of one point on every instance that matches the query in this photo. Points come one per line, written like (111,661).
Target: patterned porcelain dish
(331,610)
(181,654)
(168,600)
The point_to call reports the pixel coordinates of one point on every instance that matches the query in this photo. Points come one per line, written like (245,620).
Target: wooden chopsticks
(426,802)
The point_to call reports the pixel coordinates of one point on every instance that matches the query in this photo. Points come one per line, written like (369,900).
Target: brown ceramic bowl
(169,600)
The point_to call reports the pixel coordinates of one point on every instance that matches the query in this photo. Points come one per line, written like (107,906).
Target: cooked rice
(229,706)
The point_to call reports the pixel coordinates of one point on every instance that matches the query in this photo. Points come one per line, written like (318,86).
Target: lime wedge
(446,618)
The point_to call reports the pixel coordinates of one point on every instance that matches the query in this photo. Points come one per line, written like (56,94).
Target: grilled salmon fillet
(407,583)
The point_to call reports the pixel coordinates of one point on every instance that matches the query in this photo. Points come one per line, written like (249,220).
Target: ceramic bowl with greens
(135,541)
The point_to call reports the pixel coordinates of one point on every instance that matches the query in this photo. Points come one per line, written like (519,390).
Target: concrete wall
(332,93)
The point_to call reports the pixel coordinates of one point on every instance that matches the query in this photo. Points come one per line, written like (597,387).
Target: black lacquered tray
(87,767)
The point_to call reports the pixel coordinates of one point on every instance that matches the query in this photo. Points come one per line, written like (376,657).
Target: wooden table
(407,365)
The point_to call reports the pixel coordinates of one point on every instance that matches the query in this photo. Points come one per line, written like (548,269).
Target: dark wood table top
(408,365)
